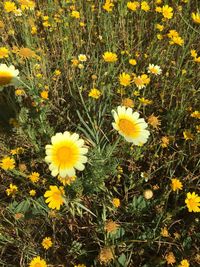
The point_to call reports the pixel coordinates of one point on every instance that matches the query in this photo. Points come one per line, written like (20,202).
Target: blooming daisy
(8,75)
(66,154)
(128,124)
(154,69)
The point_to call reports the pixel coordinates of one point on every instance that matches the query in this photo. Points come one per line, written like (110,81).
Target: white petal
(54,172)
(71,172)
(83,159)
(83,150)
(63,172)
(79,166)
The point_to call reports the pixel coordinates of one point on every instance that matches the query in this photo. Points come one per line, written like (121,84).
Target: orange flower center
(5,77)
(129,128)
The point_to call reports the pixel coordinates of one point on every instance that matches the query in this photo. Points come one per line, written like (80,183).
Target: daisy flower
(65,154)
(8,75)
(154,69)
(128,124)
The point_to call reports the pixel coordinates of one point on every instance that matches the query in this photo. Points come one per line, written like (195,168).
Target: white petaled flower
(154,69)
(8,75)
(130,126)
(65,154)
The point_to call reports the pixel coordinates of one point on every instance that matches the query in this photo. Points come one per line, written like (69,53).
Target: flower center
(192,203)
(57,196)
(67,155)
(5,77)
(154,70)
(129,128)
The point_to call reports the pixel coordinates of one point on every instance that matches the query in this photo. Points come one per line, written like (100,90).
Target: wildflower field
(99,133)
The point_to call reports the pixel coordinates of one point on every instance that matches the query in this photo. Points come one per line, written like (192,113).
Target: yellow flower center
(57,196)
(67,155)
(154,70)
(129,128)
(5,77)
(37,264)
(192,203)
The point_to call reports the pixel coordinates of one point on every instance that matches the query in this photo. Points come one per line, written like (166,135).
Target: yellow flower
(196,17)
(195,114)
(74,62)
(66,180)
(94,93)
(54,197)
(82,58)
(184,263)
(154,121)
(80,265)
(26,52)
(164,232)
(132,61)
(145,6)
(145,101)
(110,57)
(170,258)
(127,102)
(108,5)
(128,124)
(125,79)
(193,202)
(75,14)
(57,72)
(106,255)
(66,154)
(11,190)
(8,75)
(32,193)
(167,12)
(141,81)
(133,5)
(172,33)
(27,4)
(197,59)
(7,163)
(164,141)
(44,94)
(188,135)
(33,29)
(47,243)
(34,177)
(4,52)
(37,262)
(9,6)
(177,40)
(19,92)
(176,184)
(159,27)
(116,202)
(111,226)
